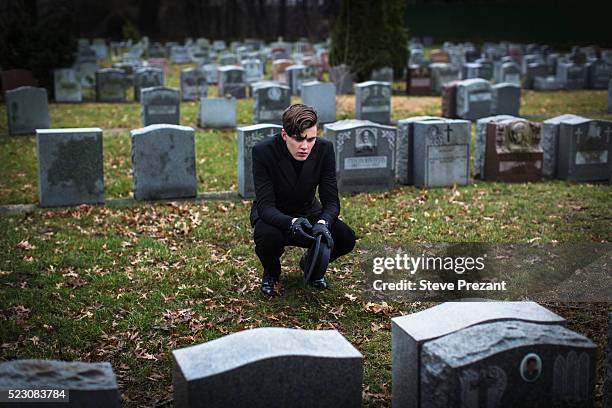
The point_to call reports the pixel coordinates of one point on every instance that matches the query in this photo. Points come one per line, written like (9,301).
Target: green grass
(128,284)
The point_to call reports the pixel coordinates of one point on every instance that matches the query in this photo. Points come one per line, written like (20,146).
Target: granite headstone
(217,113)
(373,101)
(193,84)
(147,78)
(67,86)
(160,104)
(110,85)
(322,97)
(27,109)
(246,138)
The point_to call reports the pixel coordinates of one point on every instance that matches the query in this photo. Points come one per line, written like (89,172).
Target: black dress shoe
(267,285)
(319,283)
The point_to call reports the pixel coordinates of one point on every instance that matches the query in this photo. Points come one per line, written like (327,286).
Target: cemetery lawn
(128,283)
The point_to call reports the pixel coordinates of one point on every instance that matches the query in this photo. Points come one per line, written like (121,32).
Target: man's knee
(268,238)
(344,238)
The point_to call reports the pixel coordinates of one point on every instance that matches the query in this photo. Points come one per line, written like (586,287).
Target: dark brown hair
(298,118)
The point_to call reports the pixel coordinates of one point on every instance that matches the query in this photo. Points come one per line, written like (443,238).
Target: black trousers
(270,243)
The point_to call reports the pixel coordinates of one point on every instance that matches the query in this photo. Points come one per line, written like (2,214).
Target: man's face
(300,147)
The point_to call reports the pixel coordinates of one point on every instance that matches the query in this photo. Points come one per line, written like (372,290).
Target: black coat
(280,195)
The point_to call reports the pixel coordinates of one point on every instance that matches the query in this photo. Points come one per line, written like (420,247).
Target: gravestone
(404,156)
(70,168)
(279,67)
(418,80)
(156,50)
(480,144)
(472,70)
(439,56)
(513,152)
(473,98)
(599,74)
(228,59)
(110,85)
(442,74)
(530,59)
(147,78)
(27,109)
(441,152)
(179,55)
(128,73)
(373,101)
(246,138)
(16,78)
(217,113)
(510,72)
(486,68)
(365,155)
(211,71)
(163,162)
(193,84)
(534,71)
(269,103)
(411,332)
(505,99)
(547,83)
(86,67)
(275,367)
(100,48)
(384,74)
(584,149)
(253,70)
(86,385)
(232,82)
(550,143)
(509,364)
(342,77)
(67,86)
(298,74)
(161,105)
(574,76)
(449,99)
(322,97)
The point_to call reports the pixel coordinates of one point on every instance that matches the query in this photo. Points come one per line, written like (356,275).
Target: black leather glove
(321,229)
(300,229)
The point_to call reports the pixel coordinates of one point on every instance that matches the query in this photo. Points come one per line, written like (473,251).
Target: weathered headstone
(404,156)
(275,367)
(510,72)
(449,99)
(322,97)
(269,103)
(506,99)
(384,74)
(193,84)
(547,83)
(373,101)
(486,68)
(439,56)
(279,67)
(86,67)
(599,74)
(513,152)
(365,155)
(472,70)
(534,70)
(246,138)
(574,76)
(473,98)
(100,48)
(253,70)
(161,105)
(509,364)
(163,162)
(85,385)
(27,109)
(228,59)
(67,85)
(342,77)
(480,144)
(584,149)
(418,80)
(70,169)
(217,113)
(211,71)
(550,143)
(110,85)
(232,82)
(147,78)
(179,55)
(298,74)
(441,152)
(442,74)
(409,334)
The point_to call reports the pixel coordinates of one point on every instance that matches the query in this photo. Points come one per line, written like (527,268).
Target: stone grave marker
(442,74)
(574,76)
(342,77)
(322,97)
(211,71)
(472,70)
(384,74)
(147,78)
(70,169)
(246,138)
(298,74)
(161,105)
(550,143)
(276,367)
(27,109)
(128,70)
(439,56)
(584,149)
(86,385)
(530,59)
(486,68)
(15,78)
(279,67)
(232,82)
(509,364)
(480,144)
(156,50)
(110,85)
(510,72)
(404,156)
(269,103)
(217,113)
(599,74)
(473,98)
(418,81)
(163,162)
(86,66)
(219,45)
(547,83)
(373,101)
(228,59)
(506,99)
(253,70)
(410,333)
(67,85)
(534,70)
(365,155)
(441,152)
(449,99)
(193,84)
(513,152)
(179,55)
(100,48)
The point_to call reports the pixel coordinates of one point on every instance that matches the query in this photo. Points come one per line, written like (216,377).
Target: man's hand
(321,229)
(299,228)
